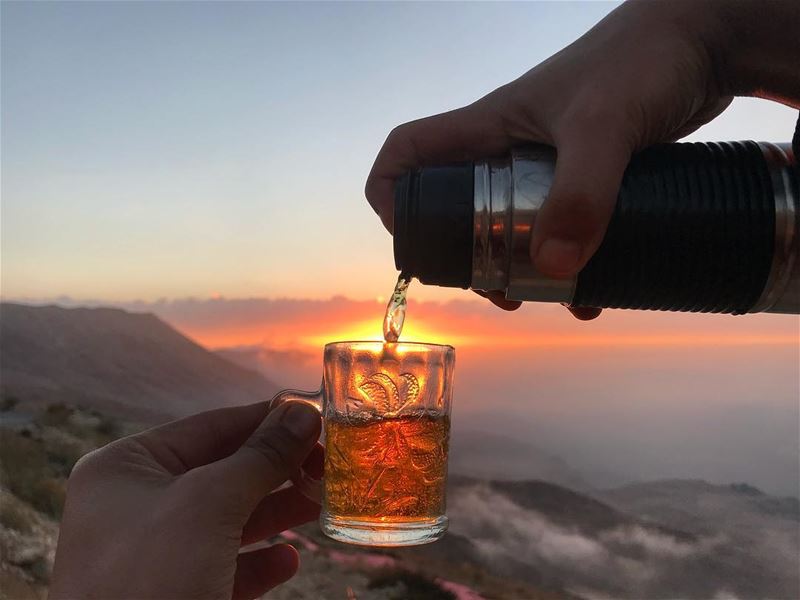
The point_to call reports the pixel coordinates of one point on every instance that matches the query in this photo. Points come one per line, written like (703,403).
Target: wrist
(754,47)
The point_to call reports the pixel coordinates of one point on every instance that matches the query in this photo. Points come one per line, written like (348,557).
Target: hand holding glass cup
(386,415)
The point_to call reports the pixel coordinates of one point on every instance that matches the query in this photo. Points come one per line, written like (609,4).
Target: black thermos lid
(433,224)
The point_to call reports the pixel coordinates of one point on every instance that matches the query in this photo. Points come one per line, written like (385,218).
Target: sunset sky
(206,162)
(193,149)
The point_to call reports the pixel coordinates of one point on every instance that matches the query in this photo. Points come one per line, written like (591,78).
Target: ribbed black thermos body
(701,227)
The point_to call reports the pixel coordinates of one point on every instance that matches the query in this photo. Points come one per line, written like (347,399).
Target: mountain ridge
(129,364)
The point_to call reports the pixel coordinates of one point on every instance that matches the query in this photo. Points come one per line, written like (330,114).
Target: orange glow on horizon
(367,331)
(297,324)
(423,332)
(310,332)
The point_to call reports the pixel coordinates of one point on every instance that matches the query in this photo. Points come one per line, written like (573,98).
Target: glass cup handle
(311,488)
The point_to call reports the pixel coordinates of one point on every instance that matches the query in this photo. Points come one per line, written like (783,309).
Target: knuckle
(86,467)
(397,136)
(369,189)
(521,113)
(89,467)
(105,460)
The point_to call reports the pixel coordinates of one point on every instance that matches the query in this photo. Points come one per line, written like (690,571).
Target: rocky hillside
(125,364)
(38,448)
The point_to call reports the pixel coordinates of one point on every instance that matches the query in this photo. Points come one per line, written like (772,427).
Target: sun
(371,331)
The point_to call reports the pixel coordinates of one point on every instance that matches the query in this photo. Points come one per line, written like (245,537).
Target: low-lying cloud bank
(624,560)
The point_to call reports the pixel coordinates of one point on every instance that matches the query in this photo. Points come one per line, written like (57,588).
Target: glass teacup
(386,414)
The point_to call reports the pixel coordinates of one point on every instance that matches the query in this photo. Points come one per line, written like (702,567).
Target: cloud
(517,541)
(650,541)
(725,595)
(501,529)
(741,552)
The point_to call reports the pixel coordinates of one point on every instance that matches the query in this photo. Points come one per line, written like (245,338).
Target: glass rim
(382,343)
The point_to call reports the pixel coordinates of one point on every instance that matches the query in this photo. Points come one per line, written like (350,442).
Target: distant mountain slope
(757,535)
(125,364)
(488,455)
(594,547)
(696,504)
(568,508)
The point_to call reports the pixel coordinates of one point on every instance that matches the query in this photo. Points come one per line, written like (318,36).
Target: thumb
(573,219)
(270,456)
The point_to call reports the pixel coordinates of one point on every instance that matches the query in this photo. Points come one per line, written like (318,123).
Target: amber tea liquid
(387,469)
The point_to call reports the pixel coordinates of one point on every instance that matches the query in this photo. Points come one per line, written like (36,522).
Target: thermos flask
(700,227)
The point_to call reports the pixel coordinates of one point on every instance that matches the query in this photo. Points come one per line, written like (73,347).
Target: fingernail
(299,418)
(558,257)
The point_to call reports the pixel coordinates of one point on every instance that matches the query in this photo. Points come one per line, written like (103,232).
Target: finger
(573,219)
(278,512)
(499,300)
(584,313)
(470,132)
(275,451)
(259,571)
(707,113)
(202,438)
(315,462)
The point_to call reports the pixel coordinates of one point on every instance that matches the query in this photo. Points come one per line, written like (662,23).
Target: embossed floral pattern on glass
(380,463)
